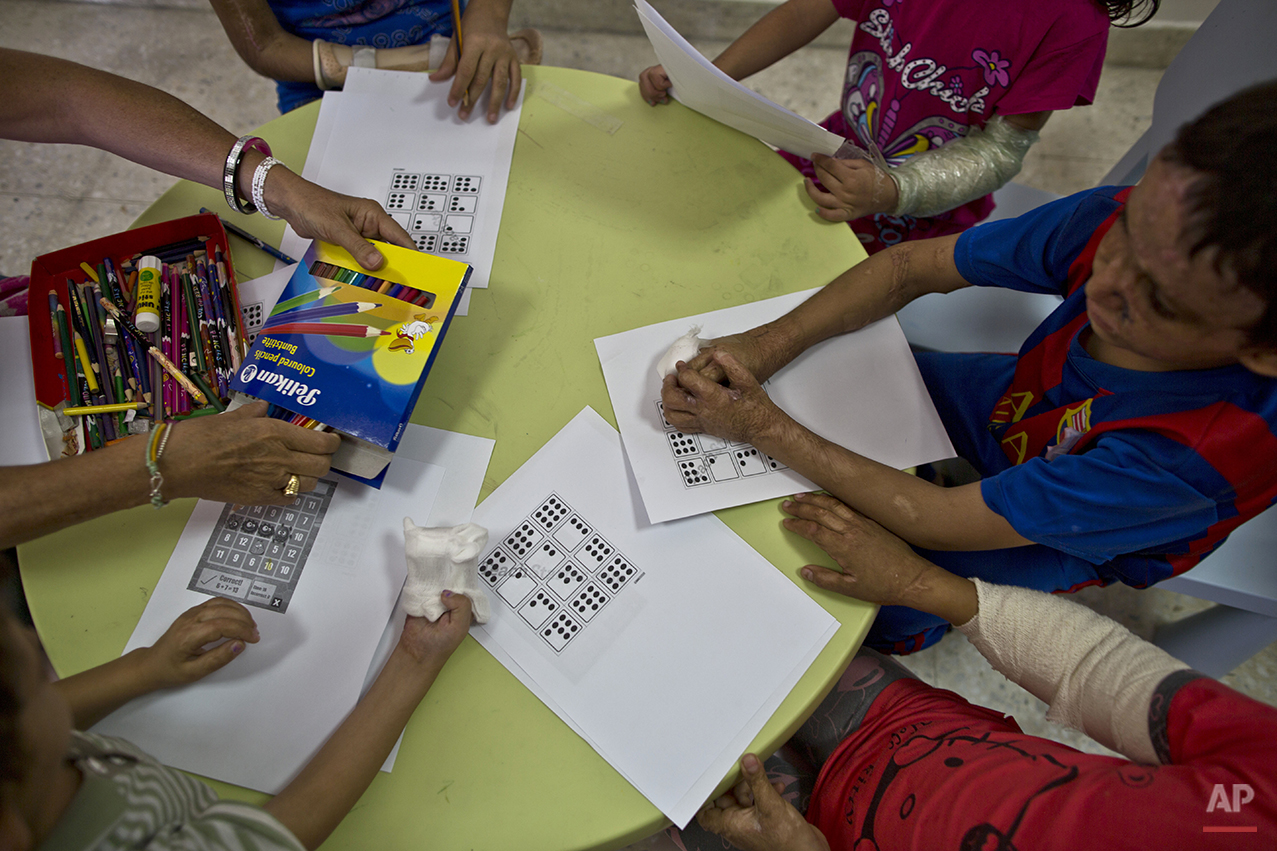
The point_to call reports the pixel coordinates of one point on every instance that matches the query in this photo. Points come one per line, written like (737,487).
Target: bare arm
(776,35)
(240,456)
(43,99)
(773,37)
(921,513)
(263,44)
(316,801)
(176,659)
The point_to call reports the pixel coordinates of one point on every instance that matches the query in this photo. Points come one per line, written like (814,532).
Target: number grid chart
(557,572)
(256,553)
(438,210)
(703,459)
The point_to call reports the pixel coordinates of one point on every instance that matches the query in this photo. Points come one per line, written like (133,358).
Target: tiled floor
(54,196)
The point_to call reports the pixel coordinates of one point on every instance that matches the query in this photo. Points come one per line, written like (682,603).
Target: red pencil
(326,329)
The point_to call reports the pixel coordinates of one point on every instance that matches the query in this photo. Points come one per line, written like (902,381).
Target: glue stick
(146,313)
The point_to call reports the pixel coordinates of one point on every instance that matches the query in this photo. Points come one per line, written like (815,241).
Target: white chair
(1230,51)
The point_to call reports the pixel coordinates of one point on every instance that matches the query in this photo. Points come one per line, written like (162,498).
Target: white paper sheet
(258,720)
(19,412)
(701,86)
(391,136)
(621,603)
(861,391)
(464,460)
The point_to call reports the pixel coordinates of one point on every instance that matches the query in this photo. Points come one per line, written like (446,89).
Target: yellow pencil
(102,409)
(456,27)
(91,272)
(88,364)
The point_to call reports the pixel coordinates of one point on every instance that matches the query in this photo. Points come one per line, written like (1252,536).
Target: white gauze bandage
(440,559)
(963,170)
(684,349)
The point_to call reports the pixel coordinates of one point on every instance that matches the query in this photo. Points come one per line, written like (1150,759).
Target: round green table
(672,214)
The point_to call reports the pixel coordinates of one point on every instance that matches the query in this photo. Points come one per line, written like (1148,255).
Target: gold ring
(294,484)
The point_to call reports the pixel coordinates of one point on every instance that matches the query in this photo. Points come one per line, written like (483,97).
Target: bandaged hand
(853,189)
(740,411)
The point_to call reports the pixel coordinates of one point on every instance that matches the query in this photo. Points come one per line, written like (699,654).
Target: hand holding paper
(853,188)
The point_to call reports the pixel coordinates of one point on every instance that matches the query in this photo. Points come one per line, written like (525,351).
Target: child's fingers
(830,580)
(208,631)
(735,371)
(206,663)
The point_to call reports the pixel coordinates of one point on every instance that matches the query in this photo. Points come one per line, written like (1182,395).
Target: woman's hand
(243,456)
(319,213)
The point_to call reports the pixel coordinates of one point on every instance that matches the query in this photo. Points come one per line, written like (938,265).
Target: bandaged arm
(963,170)
(1096,676)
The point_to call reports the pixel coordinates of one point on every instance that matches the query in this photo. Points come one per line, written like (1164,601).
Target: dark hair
(1126,11)
(1232,202)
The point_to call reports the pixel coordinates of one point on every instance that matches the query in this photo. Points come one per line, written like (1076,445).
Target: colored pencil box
(350,349)
(51,271)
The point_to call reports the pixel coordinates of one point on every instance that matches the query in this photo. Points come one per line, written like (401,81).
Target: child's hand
(489,57)
(754,816)
(877,566)
(855,188)
(740,411)
(654,85)
(180,657)
(428,641)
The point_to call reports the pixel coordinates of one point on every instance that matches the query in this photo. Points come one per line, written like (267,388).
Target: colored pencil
(309,314)
(169,367)
(83,410)
(456,28)
(326,330)
(248,237)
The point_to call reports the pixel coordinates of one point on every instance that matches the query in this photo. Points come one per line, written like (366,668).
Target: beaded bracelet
(259,185)
(231,169)
(154,449)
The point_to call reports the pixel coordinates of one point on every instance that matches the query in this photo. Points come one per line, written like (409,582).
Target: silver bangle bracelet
(231,170)
(259,185)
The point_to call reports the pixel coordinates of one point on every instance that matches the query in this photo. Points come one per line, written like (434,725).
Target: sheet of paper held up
(594,611)
(700,85)
(391,136)
(861,391)
(258,720)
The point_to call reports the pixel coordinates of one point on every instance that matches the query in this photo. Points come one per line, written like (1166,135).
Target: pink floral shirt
(921,72)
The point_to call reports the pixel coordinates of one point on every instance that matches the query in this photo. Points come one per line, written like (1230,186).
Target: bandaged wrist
(963,170)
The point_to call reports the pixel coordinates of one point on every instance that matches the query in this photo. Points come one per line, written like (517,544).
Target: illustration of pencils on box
(326,329)
(327,311)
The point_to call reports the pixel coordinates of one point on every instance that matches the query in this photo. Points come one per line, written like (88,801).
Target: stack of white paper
(392,137)
(257,721)
(861,391)
(595,610)
(701,86)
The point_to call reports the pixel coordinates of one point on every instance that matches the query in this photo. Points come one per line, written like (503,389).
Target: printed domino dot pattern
(556,572)
(438,210)
(703,459)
